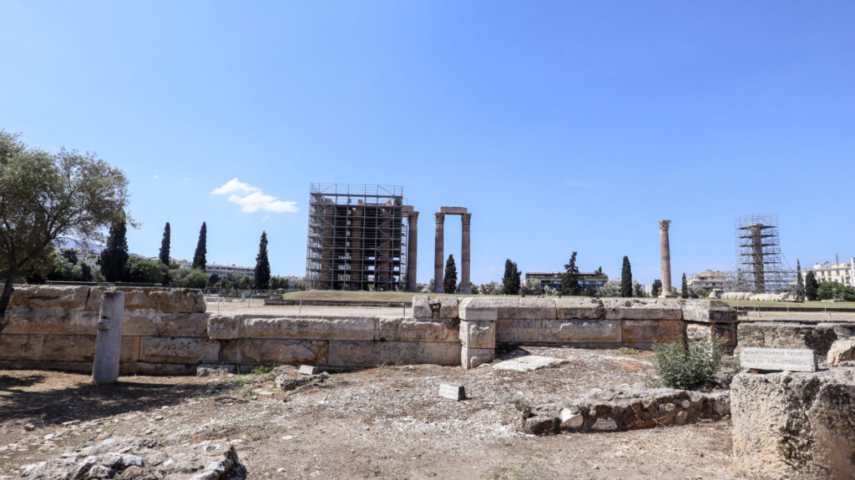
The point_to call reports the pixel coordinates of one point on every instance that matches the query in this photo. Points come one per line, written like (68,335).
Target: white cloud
(156,177)
(266,218)
(252,199)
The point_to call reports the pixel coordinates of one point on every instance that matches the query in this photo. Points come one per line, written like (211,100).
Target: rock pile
(624,408)
(131,459)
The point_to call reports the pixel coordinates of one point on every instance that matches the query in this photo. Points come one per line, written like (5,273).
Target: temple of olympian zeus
(665,255)
(439,252)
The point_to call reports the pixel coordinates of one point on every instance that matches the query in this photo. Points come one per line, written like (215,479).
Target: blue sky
(562,126)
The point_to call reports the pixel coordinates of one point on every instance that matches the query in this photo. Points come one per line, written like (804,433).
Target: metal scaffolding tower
(357,239)
(760,265)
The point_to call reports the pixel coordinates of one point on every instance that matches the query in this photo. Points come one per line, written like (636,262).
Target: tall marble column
(412,250)
(439,252)
(464,255)
(665,254)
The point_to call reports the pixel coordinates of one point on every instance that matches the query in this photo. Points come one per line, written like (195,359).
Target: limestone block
(580,331)
(708,311)
(141,323)
(794,425)
(224,327)
(151,323)
(579,309)
(178,350)
(473,357)
(405,329)
(449,307)
(178,300)
(478,333)
(478,309)
(637,309)
(21,347)
(421,306)
(143,368)
(321,328)
(69,348)
(344,353)
(786,335)
(652,331)
(130,349)
(517,331)
(264,351)
(56,321)
(32,297)
(841,351)
(700,331)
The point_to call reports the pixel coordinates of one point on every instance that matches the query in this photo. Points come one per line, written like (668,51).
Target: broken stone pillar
(108,343)
(412,251)
(439,252)
(665,254)
(464,255)
(477,332)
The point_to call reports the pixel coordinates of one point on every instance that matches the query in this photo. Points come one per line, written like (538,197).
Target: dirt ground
(384,422)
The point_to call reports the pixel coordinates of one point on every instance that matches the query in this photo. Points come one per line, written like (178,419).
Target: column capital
(439,217)
(664,224)
(414,216)
(466,218)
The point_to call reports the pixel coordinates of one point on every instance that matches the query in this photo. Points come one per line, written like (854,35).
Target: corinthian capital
(664,224)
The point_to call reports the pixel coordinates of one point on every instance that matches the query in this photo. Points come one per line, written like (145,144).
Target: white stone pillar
(108,343)
(665,254)
(464,255)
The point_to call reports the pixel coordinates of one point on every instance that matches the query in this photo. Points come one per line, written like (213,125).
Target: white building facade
(842,273)
(706,280)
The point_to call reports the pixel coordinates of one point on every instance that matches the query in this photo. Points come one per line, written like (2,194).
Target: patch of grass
(628,351)
(497,360)
(261,370)
(240,381)
(541,451)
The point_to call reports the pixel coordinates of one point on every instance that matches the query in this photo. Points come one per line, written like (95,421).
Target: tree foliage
(570,279)
(531,286)
(44,196)
(684,287)
(449,280)
(114,258)
(811,286)
(656,290)
(200,261)
(511,279)
(262,265)
(164,245)
(690,365)
(626,279)
(835,291)
(800,282)
(143,270)
(639,290)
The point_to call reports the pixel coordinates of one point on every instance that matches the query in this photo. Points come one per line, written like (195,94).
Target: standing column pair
(439,253)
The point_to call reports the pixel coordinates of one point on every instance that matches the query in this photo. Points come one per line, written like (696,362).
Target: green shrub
(262,369)
(691,365)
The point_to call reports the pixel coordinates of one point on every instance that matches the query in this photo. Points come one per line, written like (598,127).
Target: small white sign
(453,392)
(307,370)
(790,359)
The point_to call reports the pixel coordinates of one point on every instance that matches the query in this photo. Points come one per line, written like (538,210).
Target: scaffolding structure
(760,265)
(357,239)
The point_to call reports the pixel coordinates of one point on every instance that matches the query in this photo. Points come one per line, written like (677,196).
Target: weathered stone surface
(478,309)
(517,331)
(344,353)
(21,347)
(511,308)
(422,307)
(529,363)
(571,418)
(478,333)
(786,335)
(700,331)
(636,309)
(405,329)
(56,321)
(541,425)
(581,331)
(841,351)
(274,351)
(579,309)
(143,368)
(178,350)
(32,297)
(178,300)
(151,323)
(794,425)
(652,331)
(69,348)
(224,327)
(321,328)
(708,311)
(452,392)
(473,357)
(449,307)
(214,370)
(794,360)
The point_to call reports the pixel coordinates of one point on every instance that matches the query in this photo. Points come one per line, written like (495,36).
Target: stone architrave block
(579,309)
(38,297)
(69,348)
(512,308)
(301,328)
(264,351)
(224,327)
(708,311)
(794,424)
(343,353)
(449,307)
(421,306)
(818,338)
(580,331)
(473,357)
(637,309)
(178,350)
(478,309)
(184,325)
(653,331)
(478,333)
(406,329)
(53,321)
(517,331)
(21,347)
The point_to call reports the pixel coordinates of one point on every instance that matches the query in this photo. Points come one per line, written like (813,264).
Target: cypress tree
(511,279)
(164,245)
(656,290)
(199,260)
(800,282)
(811,286)
(114,258)
(449,281)
(262,265)
(570,279)
(685,287)
(626,279)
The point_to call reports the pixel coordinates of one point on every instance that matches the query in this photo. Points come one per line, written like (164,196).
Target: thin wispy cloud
(252,199)
(156,177)
(266,218)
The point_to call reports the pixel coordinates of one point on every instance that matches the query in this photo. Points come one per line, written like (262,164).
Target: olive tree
(44,196)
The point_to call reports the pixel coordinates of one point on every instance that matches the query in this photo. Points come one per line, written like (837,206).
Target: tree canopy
(570,279)
(449,280)
(200,261)
(511,279)
(262,265)
(626,279)
(164,245)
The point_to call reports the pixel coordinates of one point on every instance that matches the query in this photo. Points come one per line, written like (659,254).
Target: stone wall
(167,331)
